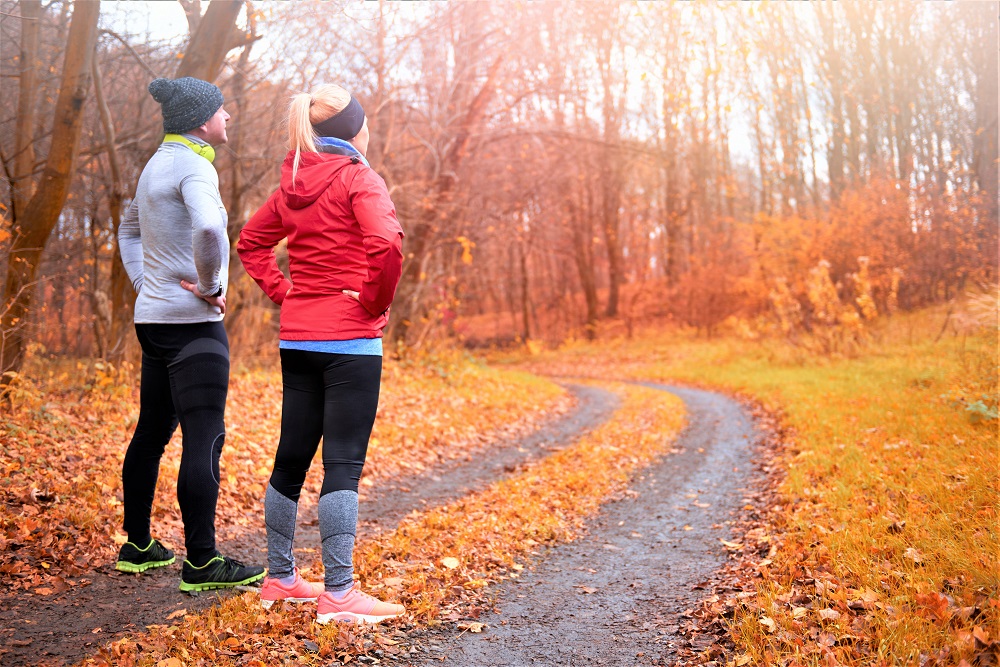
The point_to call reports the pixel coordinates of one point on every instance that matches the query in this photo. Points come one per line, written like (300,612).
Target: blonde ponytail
(308,108)
(301,135)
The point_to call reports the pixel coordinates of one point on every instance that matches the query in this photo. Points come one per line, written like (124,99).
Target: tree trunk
(420,236)
(42,212)
(122,296)
(525,292)
(24,155)
(211,41)
(985,62)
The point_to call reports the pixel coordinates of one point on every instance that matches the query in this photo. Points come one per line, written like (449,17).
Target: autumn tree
(32,227)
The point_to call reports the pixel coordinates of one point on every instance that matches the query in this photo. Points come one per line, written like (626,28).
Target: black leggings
(185,379)
(333,396)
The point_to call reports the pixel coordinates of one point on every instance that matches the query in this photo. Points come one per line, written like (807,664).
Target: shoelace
(356,589)
(231,563)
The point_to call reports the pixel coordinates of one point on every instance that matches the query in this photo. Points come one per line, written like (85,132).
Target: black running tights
(185,380)
(333,396)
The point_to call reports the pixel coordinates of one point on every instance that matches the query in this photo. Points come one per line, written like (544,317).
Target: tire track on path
(66,628)
(615,596)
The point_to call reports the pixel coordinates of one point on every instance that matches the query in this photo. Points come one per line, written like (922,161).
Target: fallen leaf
(934,605)
(177,614)
(914,555)
(450,562)
(472,627)
(769,623)
(735,546)
(170,662)
(829,614)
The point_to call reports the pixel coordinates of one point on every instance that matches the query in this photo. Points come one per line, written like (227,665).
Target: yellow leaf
(450,562)
(170,662)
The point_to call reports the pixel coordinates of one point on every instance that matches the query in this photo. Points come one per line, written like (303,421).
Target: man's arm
(209,241)
(130,245)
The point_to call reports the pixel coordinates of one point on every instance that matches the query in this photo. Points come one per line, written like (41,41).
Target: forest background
(561,169)
(748,197)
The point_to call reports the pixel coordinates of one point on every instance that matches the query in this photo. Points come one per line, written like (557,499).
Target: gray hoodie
(175,229)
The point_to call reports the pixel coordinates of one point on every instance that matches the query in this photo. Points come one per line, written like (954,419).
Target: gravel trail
(615,596)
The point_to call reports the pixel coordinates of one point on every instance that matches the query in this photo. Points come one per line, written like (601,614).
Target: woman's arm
(383,240)
(256,249)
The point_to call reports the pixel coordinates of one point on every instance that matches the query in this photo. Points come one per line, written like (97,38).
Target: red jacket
(342,234)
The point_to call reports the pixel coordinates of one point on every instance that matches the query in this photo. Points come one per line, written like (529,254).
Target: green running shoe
(133,559)
(220,572)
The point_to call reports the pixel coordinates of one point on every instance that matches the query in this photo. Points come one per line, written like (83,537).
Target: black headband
(345,124)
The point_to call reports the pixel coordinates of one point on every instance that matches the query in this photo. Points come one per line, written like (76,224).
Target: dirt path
(616,596)
(64,628)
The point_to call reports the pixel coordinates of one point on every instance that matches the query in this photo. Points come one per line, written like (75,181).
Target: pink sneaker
(355,607)
(301,590)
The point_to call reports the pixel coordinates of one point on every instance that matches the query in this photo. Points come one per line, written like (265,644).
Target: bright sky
(163,19)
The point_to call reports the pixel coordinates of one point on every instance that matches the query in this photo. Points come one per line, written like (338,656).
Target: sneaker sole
(134,568)
(266,604)
(348,617)
(218,585)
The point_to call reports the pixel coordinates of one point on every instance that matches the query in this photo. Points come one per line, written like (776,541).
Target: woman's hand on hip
(351,293)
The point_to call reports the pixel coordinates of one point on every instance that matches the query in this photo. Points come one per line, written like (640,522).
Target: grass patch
(889,507)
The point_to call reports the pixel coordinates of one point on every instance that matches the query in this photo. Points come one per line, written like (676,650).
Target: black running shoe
(220,572)
(133,559)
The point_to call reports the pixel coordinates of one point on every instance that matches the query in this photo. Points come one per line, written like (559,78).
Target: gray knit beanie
(186,103)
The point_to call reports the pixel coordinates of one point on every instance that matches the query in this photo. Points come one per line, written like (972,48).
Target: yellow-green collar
(203,150)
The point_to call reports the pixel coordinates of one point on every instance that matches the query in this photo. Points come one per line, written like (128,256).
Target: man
(175,249)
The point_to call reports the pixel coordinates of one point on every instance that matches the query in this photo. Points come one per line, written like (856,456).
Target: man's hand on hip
(217,301)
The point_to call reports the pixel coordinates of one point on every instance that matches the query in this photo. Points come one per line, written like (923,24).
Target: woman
(345,257)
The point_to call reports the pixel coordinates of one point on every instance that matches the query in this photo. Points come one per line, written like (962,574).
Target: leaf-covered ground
(875,544)
(61,452)
(441,563)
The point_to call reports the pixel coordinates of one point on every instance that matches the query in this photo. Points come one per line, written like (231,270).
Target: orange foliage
(61,459)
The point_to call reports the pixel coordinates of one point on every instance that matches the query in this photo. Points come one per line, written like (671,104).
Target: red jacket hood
(316,172)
